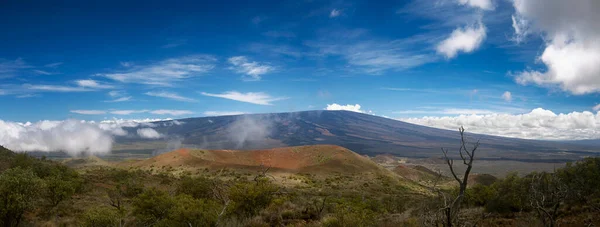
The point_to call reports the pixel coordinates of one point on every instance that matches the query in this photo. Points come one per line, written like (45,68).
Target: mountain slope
(362,133)
(306,159)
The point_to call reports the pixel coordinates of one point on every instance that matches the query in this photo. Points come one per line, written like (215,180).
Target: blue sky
(176,59)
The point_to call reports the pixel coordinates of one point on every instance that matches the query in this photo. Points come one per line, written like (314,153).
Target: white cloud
(448,111)
(373,56)
(92,84)
(122,99)
(89,112)
(596,108)
(335,106)
(55,88)
(71,136)
(172,112)
(42,72)
(482,4)
(572,37)
(507,96)
(127,112)
(222,113)
(169,95)
(53,65)
(9,68)
(465,40)
(116,93)
(166,72)
(241,64)
(335,13)
(521,27)
(259,98)
(148,133)
(537,124)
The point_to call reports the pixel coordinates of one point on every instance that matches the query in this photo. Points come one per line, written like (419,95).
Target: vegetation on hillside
(39,192)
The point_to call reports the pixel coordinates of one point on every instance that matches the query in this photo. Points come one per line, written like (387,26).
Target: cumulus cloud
(464,40)
(481,4)
(507,96)
(169,95)
(596,108)
(222,113)
(335,13)
(537,124)
(335,106)
(572,38)
(241,64)
(148,133)
(71,136)
(259,98)
(166,72)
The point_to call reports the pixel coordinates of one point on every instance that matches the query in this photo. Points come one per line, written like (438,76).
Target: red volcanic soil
(294,159)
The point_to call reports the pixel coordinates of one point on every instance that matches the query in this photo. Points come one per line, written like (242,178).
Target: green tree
(152,206)
(249,198)
(19,189)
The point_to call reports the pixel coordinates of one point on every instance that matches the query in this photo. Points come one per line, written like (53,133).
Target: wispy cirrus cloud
(121,99)
(222,113)
(254,70)
(55,88)
(172,112)
(166,72)
(89,112)
(9,68)
(93,84)
(259,98)
(169,95)
(371,55)
(129,112)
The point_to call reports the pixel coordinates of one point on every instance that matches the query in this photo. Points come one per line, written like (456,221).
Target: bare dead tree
(546,196)
(451,209)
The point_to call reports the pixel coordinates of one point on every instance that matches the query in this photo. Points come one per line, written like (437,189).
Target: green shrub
(100,217)
(19,190)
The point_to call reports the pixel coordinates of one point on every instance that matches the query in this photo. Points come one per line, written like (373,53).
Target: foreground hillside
(363,133)
(214,188)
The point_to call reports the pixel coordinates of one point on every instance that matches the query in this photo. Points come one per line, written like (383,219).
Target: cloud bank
(73,137)
(537,124)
